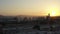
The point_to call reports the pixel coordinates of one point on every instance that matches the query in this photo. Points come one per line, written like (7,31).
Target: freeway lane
(27,29)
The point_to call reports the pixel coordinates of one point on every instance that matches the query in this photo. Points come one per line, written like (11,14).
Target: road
(27,29)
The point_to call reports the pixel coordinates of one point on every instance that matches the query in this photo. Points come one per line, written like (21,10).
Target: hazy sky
(28,7)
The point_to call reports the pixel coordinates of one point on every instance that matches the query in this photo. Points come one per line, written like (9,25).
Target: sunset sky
(30,7)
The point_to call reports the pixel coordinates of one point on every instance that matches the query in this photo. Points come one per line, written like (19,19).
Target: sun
(53,13)
(53,10)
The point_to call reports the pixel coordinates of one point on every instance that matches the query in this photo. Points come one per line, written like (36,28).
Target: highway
(27,29)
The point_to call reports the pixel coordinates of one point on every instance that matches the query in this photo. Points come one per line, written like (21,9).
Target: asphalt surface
(27,29)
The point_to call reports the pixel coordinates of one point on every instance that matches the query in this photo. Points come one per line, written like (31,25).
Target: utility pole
(48,18)
(48,21)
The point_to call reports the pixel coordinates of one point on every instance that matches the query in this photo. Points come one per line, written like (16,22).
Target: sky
(29,7)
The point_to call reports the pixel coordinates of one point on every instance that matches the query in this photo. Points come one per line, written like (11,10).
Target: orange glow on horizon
(53,10)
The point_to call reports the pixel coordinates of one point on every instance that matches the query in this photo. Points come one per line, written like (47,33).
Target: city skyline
(30,7)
